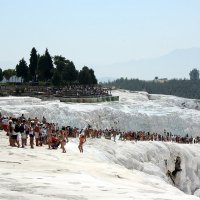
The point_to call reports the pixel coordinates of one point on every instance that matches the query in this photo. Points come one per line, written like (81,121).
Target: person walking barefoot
(82,140)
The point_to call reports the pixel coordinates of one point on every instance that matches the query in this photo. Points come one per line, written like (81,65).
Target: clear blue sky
(95,32)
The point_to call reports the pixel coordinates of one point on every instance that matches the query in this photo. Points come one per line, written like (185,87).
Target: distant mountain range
(176,64)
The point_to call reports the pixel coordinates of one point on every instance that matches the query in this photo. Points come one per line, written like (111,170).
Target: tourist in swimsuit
(23,133)
(82,140)
(36,131)
(64,139)
(10,132)
(31,134)
(49,135)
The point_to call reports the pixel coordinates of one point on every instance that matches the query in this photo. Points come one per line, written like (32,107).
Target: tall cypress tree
(33,64)
(41,70)
(45,67)
(49,67)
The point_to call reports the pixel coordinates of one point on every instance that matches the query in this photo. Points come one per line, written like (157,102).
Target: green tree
(56,79)
(84,76)
(182,88)
(1,74)
(92,77)
(69,73)
(45,67)
(156,78)
(22,69)
(60,63)
(41,70)
(8,73)
(37,73)
(87,76)
(49,67)
(66,68)
(194,74)
(33,64)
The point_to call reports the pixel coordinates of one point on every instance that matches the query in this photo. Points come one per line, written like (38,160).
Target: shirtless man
(82,139)
(49,135)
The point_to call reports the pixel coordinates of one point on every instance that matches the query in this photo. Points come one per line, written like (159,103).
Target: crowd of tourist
(22,131)
(71,90)
(39,133)
(84,90)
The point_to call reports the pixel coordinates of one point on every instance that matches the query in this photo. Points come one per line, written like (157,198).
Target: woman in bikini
(64,138)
